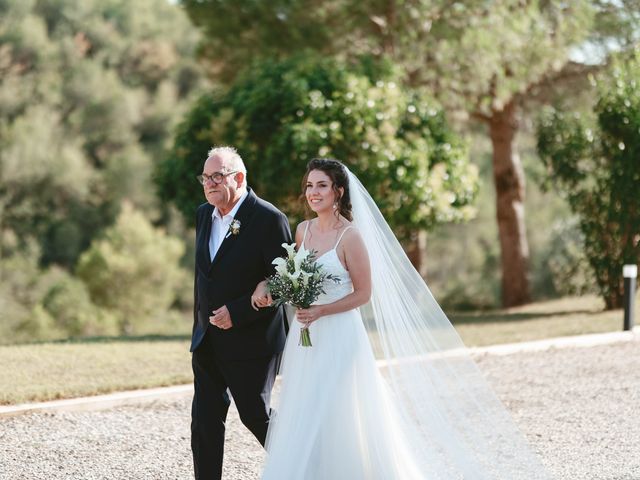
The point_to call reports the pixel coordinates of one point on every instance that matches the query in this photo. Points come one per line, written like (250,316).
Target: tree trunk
(415,249)
(509,183)
(614,296)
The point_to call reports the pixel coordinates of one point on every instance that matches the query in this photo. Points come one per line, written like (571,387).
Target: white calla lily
(281,265)
(294,278)
(300,257)
(290,248)
(279,261)
(298,281)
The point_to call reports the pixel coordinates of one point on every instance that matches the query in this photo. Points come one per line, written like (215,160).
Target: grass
(554,318)
(48,371)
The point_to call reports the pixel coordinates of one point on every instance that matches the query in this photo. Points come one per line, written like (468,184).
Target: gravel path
(577,406)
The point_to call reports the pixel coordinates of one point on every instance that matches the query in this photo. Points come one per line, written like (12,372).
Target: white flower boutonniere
(234,228)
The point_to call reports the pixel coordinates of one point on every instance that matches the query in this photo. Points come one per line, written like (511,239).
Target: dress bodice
(333,290)
(331,264)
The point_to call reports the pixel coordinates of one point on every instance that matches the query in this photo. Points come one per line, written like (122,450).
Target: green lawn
(555,318)
(51,371)
(47,371)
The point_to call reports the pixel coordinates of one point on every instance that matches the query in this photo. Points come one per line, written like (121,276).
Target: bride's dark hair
(337,172)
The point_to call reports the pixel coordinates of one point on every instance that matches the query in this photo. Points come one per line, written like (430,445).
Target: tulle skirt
(335,417)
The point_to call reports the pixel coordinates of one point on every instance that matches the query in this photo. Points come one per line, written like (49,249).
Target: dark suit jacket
(242,261)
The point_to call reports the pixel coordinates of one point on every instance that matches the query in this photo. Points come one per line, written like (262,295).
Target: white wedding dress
(432,416)
(335,418)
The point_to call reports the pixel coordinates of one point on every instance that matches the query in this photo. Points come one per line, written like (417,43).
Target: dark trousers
(249,381)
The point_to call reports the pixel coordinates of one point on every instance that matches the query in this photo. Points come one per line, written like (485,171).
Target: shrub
(133,271)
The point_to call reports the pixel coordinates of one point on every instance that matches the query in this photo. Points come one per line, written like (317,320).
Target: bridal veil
(452,418)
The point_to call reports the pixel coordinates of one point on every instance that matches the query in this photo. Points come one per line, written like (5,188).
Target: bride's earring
(335,205)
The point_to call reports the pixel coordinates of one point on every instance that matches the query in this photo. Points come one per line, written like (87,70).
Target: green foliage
(616,24)
(69,305)
(299,279)
(22,287)
(474,55)
(596,161)
(281,114)
(480,58)
(133,271)
(46,304)
(569,269)
(89,93)
(463,260)
(262,30)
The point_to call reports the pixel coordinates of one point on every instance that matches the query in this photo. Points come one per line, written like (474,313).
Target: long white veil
(454,421)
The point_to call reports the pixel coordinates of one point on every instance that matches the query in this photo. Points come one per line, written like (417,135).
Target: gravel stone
(577,406)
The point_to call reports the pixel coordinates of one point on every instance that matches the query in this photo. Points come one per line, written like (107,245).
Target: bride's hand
(309,315)
(261,297)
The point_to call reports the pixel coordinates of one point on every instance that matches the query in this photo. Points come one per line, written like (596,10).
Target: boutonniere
(234,228)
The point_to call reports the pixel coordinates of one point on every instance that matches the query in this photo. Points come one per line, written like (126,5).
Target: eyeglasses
(215,178)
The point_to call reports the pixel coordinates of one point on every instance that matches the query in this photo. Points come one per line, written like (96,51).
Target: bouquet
(298,281)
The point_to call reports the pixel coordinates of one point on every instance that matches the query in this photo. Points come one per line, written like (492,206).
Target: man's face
(222,195)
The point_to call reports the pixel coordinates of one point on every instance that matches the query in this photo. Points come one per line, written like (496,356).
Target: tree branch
(543,89)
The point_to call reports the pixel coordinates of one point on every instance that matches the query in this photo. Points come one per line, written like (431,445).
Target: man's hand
(221,318)
(261,297)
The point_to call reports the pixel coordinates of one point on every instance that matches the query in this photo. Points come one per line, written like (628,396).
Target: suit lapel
(243,216)
(202,252)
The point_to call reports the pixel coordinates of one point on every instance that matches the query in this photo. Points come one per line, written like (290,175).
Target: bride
(423,411)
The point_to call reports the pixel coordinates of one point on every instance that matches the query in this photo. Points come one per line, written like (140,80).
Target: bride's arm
(261,298)
(357,263)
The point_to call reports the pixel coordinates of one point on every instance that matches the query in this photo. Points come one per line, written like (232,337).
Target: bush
(69,305)
(46,304)
(571,273)
(281,114)
(595,161)
(133,271)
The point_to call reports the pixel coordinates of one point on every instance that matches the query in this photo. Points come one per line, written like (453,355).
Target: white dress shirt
(220,226)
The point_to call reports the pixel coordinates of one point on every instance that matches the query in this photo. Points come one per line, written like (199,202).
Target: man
(234,347)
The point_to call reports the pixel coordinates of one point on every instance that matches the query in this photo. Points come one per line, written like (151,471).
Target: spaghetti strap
(306,227)
(340,238)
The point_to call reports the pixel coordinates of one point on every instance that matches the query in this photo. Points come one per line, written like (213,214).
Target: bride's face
(319,191)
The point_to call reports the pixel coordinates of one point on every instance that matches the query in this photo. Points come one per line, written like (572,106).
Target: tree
(133,271)
(46,304)
(89,93)
(486,59)
(595,161)
(281,114)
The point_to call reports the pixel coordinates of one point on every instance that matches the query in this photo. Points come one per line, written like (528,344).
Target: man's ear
(240,179)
